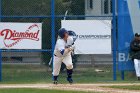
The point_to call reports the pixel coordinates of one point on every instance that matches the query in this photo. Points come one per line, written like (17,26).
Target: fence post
(53,27)
(114,39)
(122,75)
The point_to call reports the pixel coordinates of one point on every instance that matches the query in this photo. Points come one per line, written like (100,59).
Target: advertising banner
(20,35)
(94,36)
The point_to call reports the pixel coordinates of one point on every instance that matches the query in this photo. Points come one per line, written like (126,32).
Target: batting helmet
(73,34)
(61,32)
(137,34)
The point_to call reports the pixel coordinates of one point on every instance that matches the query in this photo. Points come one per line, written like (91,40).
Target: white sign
(134,10)
(20,35)
(94,36)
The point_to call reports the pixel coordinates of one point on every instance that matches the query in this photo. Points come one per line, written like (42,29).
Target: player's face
(66,35)
(136,38)
(139,38)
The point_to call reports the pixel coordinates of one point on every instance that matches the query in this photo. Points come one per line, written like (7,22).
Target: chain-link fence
(32,66)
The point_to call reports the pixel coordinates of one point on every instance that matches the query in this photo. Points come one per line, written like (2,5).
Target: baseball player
(62,53)
(135,48)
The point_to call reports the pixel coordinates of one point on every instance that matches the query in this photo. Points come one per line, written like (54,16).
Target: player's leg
(136,65)
(69,65)
(56,68)
(139,69)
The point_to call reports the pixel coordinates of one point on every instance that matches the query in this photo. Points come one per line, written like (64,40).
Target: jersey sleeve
(61,46)
(134,46)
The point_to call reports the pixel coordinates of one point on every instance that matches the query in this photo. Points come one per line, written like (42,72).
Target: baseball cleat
(55,82)
(70,80)
(138,78)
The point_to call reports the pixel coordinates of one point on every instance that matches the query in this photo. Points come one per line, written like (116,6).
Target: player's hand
(71,48)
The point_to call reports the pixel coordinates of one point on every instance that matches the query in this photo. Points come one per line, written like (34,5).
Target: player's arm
(64,50)
(134,47)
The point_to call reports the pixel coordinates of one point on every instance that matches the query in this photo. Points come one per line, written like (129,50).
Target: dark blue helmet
(137,35)
(61,32)
(73,34)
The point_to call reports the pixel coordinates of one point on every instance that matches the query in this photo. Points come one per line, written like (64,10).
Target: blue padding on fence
(125,36)
(128,65)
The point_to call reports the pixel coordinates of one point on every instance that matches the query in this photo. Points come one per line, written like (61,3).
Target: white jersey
(59,57)
(61,45)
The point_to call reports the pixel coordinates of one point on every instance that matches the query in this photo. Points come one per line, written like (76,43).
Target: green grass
(129,87)
(26,90)
(18,74)
(41,74)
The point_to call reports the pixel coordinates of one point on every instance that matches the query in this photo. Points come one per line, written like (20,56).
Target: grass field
(83,76)
(38,91)
(41,74)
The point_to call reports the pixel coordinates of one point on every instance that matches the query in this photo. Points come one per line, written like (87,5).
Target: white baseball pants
(137,67)
(67,60)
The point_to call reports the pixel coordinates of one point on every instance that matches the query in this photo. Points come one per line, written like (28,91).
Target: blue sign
(139,4)
(128,25)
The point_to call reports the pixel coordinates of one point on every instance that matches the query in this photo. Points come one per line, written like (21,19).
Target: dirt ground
(75,87)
